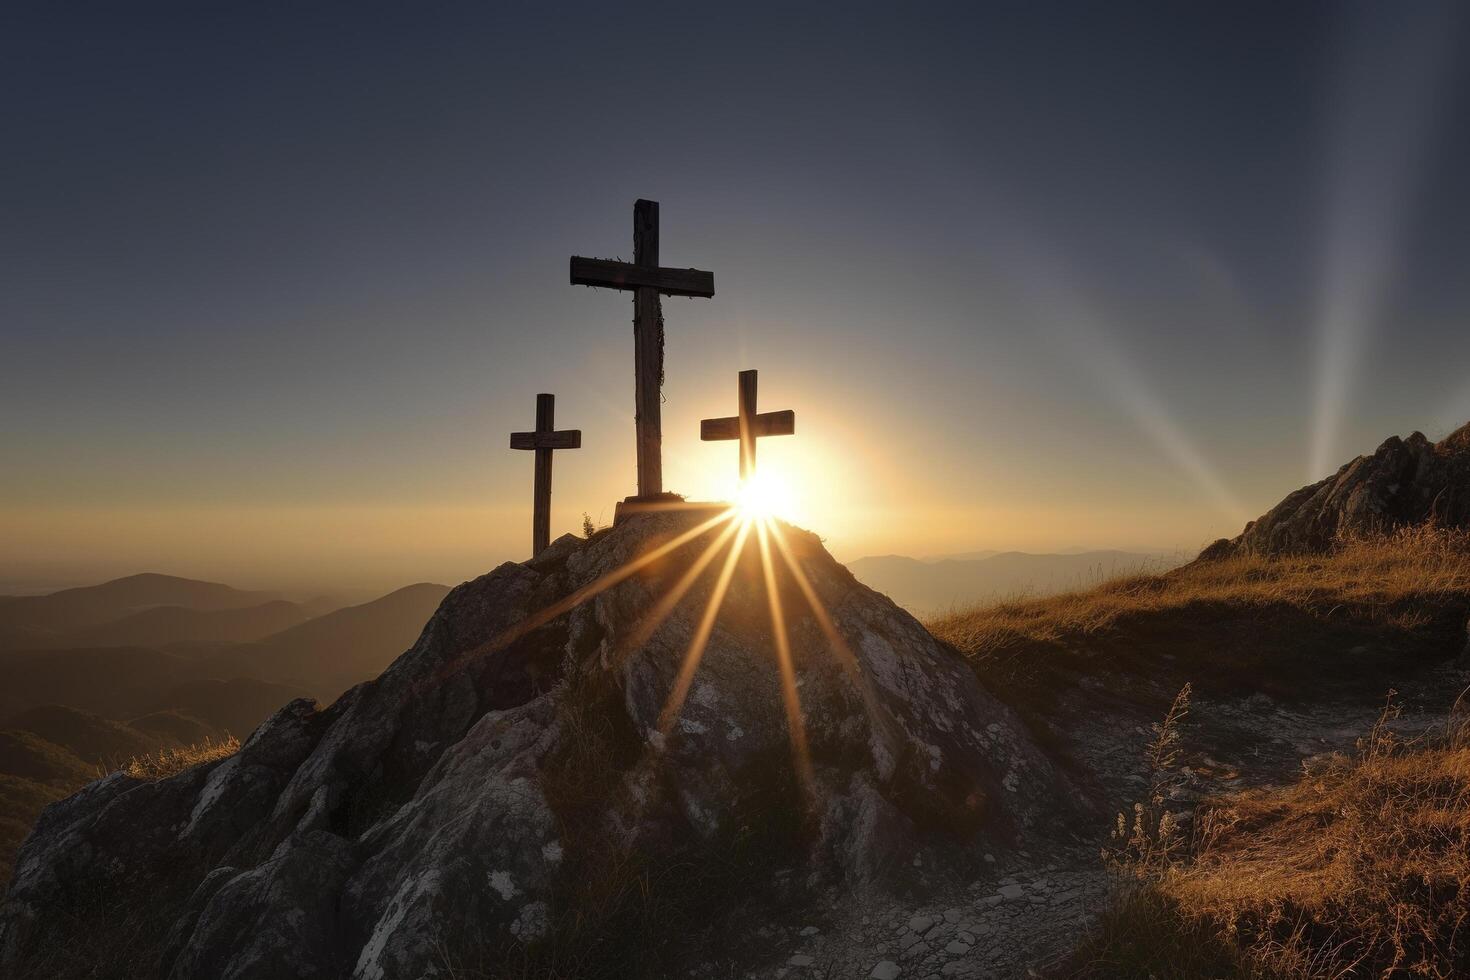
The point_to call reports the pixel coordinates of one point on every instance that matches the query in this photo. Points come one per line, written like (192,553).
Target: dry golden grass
(1360,869)
(1383,579)
(169,762)
(1280,626)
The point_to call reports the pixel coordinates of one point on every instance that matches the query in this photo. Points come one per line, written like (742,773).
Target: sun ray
(605,582)
(845,657)
(670,599)
(790,696)
(695,652)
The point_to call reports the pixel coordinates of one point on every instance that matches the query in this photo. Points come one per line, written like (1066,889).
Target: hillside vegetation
(1360,866)
(1264,623)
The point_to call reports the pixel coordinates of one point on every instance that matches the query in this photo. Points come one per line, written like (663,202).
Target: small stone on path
(886,970)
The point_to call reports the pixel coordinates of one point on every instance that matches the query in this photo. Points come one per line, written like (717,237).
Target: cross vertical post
(543,440)
(649,282)
(746,409)
(648,354)
(541,490)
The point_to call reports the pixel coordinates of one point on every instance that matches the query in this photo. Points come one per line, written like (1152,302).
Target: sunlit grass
(1380,578)
(168,762)
(1360,868)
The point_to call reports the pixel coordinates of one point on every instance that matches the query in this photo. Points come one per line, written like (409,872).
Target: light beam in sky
(1392,79)
(1080,331)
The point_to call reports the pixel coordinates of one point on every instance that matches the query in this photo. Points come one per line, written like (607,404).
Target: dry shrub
(168,762)
(1148,846)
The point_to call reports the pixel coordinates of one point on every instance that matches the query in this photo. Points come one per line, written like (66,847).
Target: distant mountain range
(148,610)
(934,585)
(92,677)
(330,653)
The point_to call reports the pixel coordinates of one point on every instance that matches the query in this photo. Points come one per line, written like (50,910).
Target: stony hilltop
(1403,483)
(524,749)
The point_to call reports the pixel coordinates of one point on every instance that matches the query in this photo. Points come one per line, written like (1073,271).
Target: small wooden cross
(544,440)
(748,426)
(648,280)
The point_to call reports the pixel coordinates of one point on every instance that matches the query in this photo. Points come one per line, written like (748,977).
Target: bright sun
(764,495)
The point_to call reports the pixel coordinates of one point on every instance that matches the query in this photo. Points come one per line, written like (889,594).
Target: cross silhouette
(543,441)
(648,280)
(748,426)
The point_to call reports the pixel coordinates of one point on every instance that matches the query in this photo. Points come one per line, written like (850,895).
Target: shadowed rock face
(1403,483)
(428,805)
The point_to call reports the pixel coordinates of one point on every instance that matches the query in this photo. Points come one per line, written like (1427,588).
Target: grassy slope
(1361,868)
(1250,623)
(1358,869)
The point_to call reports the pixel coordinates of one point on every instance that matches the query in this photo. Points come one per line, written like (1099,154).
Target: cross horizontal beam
(764,424)
(563,439)
(626,275)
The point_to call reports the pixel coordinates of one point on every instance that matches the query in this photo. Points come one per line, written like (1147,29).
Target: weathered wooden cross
(544,440)
(748,426)
(648,280)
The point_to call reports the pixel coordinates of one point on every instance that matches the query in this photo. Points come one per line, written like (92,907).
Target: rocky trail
(1027,911)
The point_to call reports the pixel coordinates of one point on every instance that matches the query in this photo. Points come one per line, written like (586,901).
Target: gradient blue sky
(277,279)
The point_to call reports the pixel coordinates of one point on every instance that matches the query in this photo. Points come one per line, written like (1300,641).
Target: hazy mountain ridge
(70,610)
(933,585)
(148,610)
(331,653)
(93,677)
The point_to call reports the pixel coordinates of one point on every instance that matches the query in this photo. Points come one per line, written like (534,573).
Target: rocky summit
(1403,483)
(548,731)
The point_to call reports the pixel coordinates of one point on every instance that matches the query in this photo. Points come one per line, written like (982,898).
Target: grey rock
(358,839)
(1404,482)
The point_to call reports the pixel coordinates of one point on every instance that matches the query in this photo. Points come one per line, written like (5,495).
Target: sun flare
(764,495)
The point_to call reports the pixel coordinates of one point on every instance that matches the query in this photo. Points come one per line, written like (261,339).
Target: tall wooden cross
(543,441)
(648,280)
(748,426)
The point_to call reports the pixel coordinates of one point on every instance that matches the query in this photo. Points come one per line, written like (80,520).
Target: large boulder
(549,710)
(1405,482)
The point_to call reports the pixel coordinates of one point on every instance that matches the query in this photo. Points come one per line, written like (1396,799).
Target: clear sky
(277,279)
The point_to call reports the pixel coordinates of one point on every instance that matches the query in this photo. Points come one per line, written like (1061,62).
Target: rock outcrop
(1405,482)
(452,802)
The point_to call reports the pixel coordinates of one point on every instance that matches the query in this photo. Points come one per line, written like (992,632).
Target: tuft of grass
(169,761)
(1143,934)
(1149,845)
